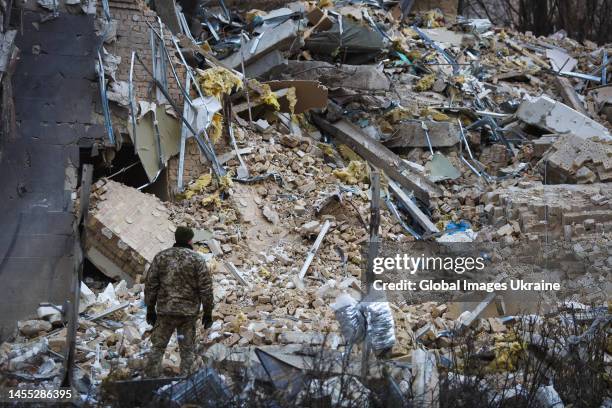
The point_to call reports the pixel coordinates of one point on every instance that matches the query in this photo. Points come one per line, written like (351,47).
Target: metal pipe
(181,168)
(105,107)
(132,103)
(208,150)
(244,78)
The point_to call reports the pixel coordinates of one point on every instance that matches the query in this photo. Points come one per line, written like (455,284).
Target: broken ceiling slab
(440,168)
(557,117)
(270,65)
(411,134)
(560,60)
(276,38)
(572,160)
(125,230)
(363,77)
(146,138)
(380,156)
(166,9)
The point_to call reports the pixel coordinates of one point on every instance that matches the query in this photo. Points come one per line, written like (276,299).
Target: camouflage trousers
(162,331)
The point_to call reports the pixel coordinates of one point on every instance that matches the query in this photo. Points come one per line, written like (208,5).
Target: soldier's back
(178,270)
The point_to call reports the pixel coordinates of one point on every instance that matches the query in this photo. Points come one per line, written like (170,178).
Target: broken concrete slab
(166,9)
(560,60)
(414,210)
(469,318)
(277,38)
(557,117)
(270,65)
(440,168)
(363,77)
(380,156)
(447,37)
(31,328)
(125,230)
(411,134)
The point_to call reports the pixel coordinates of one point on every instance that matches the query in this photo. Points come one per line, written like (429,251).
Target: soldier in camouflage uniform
(177,282)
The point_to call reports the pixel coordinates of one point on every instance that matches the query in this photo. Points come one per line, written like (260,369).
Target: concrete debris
(440,168)
(381,157)
(280,37)
(411,134)
(362,77)
(359,43)
(271,65)
(32,328)
(557,117)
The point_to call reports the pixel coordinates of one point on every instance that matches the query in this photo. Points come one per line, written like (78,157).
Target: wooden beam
(413,209)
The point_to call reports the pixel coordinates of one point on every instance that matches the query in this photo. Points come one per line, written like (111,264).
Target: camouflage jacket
(177,282)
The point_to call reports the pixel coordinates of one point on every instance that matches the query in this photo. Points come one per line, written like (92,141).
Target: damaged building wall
(55,97)
(195,165)
(133,34)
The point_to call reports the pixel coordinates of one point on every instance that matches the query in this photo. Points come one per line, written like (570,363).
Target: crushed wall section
(125,230)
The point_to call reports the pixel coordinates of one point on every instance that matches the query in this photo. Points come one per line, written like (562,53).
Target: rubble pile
(478,133)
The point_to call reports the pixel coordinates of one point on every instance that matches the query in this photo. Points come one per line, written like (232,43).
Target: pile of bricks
(557,210)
